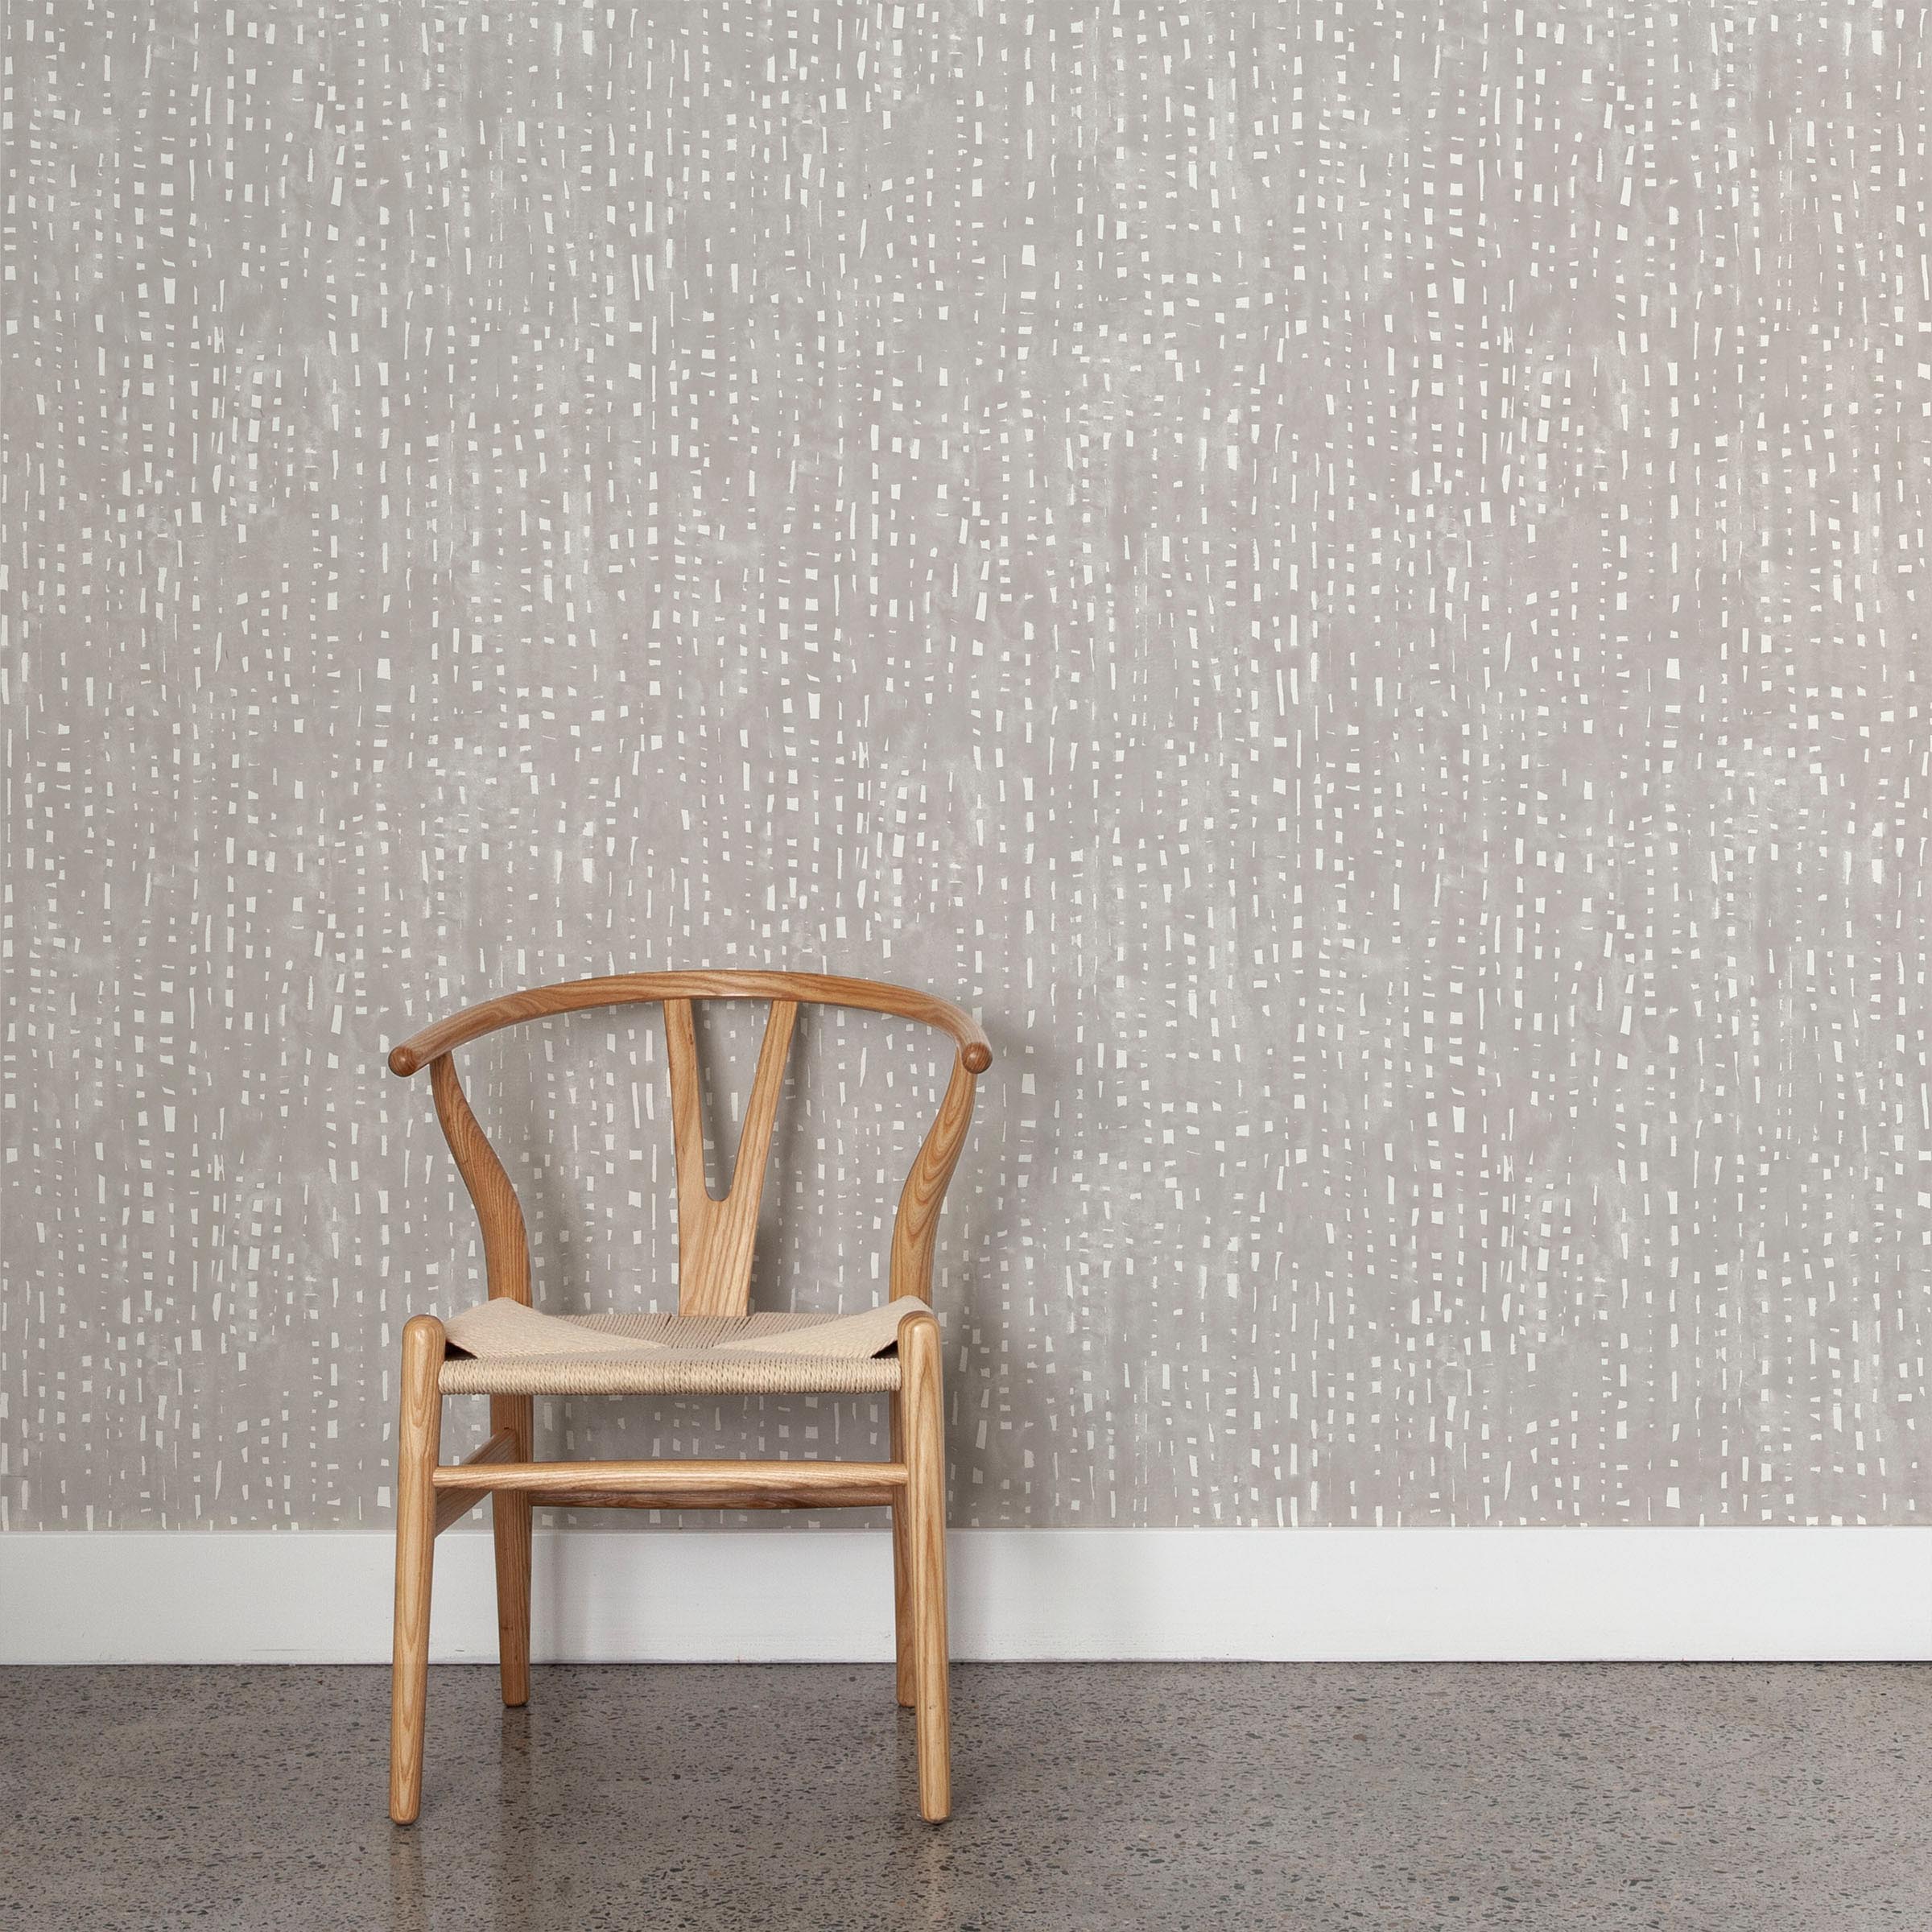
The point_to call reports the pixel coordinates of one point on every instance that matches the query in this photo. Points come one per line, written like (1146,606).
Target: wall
(1350,575)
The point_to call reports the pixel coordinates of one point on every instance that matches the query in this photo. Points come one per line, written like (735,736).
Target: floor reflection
(412,1850)
(408,1909)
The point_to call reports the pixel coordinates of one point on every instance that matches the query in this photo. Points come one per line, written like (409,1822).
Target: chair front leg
(509,1517)
(419,1443)
(924,1436)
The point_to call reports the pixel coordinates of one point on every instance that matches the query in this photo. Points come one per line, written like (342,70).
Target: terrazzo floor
(1373,1798)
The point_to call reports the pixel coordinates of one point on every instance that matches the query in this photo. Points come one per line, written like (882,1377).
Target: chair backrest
(716,1234)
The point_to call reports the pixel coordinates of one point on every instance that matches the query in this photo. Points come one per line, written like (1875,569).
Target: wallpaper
(1350,575)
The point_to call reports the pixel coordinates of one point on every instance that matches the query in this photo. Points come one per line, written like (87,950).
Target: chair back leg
(419,1439)
(510,1518)
(923,1428)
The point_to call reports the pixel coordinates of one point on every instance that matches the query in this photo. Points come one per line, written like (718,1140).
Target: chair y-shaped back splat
(716,1235)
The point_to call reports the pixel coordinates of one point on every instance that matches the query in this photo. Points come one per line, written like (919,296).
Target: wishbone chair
(712,1346)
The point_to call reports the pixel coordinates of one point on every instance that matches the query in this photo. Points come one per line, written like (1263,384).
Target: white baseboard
(825,1596)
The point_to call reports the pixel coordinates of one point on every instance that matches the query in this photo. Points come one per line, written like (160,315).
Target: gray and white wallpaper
(1352,575)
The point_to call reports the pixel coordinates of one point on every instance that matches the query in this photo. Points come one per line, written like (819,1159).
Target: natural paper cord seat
(509,1349)
(713,1346)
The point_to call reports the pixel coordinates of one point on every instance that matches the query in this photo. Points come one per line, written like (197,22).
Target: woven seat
(512,1350)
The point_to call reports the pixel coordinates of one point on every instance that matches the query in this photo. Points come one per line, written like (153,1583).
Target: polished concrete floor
(1372,1798)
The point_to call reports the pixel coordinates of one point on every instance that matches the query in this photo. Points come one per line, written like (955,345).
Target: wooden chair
(714,1241)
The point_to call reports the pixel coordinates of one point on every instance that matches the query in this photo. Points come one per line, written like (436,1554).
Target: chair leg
(925,1442)
(509,1517)
(419,1439)
(902,1568)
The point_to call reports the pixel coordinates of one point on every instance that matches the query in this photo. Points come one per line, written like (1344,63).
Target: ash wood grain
(915,1228)
(716,1235)
(419,1433)
(905,1680)
(622,989)
(499,1213)
(920,1401)
(858,1495)
(509,1527)
(453,1505)
(783,1484)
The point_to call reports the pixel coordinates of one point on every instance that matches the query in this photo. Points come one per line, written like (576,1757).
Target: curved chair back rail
(641,988)
(716,1234)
